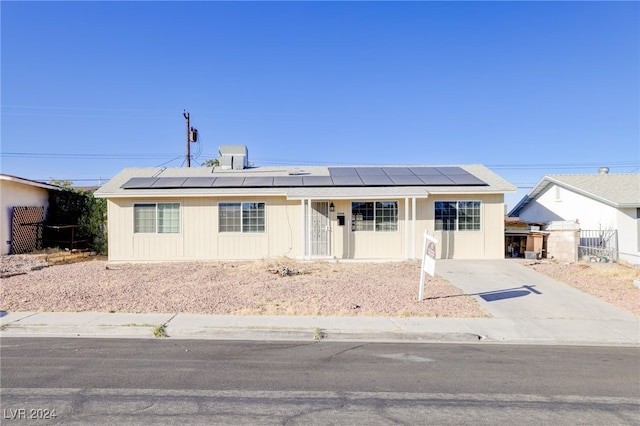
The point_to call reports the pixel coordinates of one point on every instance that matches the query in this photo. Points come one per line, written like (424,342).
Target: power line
(75,180)
(173,159)
(84,112)
(86,156)
(173,156)
(79,108)
(491,166)
(566,165)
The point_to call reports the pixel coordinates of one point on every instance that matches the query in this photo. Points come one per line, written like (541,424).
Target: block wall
(563,245)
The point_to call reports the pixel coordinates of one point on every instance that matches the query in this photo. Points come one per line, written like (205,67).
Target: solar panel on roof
(425,171)
(138,182)
(287,181)
(317,181)
(452,171)
(435,180)
(405,179)
(169,182)
(467,179)
(375,180)
(370,171)
(228,182)
(258,181)
(198,182)
(347,180)
(397,171)
(339,176)
(342,171)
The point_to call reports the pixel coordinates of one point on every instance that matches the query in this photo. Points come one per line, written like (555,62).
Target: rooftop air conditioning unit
(233,157)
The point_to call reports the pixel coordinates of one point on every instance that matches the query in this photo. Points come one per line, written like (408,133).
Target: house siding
(199,238)
(347,244)
(487,243)
(199,224)
(629,235)
(558,203)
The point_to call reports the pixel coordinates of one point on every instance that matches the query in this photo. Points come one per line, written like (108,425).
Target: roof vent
(603,170)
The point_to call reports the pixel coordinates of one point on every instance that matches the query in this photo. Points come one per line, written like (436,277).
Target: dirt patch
(276,287)
(610,282)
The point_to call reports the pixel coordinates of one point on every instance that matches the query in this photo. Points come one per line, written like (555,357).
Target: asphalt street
(130,381)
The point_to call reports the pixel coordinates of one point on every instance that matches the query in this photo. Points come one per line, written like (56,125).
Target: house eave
(29,182)
(547,181)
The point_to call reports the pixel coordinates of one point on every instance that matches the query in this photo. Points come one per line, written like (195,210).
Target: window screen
(241,217)
(379,216)
(457,215)
(161,218)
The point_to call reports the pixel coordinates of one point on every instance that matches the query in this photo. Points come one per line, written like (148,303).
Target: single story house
(236,212)
(24,206)
(605,206)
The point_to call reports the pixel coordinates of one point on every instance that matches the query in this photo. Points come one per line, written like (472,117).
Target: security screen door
(319,228)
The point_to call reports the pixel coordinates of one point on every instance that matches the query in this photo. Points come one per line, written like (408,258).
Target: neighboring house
(24,207)
(603,205)
(236,212)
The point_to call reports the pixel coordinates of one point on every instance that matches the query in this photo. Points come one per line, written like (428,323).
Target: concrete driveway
(528,306)
(508,289)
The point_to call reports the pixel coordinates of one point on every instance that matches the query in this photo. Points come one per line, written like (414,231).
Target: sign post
(428,261)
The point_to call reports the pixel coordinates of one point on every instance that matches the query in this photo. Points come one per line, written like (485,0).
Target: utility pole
(192,136)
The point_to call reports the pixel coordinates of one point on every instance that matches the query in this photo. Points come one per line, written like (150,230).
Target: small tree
(92,222)
(212,162)
(73,206)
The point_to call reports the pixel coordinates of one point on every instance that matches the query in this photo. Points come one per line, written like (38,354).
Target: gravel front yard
(239,288)
(276,287)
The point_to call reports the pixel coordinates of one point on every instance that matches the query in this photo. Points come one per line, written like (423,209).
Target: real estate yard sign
(428,261)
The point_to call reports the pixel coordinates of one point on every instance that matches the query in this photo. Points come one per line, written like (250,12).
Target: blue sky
(526,88)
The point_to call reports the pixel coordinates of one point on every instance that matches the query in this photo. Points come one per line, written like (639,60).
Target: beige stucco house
(236,212)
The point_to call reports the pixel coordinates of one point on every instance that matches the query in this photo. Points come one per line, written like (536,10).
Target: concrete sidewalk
(366,329)
(526,308)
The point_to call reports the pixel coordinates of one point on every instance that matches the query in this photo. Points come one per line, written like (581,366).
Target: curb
(526,331)
(233,333)
(281,335)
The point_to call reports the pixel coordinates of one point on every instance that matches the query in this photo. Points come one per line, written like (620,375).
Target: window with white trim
(457,215)
(156,218)
(378,216)
(241,217)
